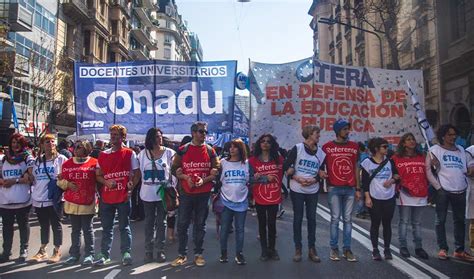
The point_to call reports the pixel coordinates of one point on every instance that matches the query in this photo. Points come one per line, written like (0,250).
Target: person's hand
(358,196)
(2,181)
(388,183)
(189,180)
(72,186)
(214,172)
(368,202)
(7,183)
(257,176)
(323,174)
(130,185)
(59,176)
(290,171)
(198,181)
(272,178)
(435,163)
(110,183)
(179,171)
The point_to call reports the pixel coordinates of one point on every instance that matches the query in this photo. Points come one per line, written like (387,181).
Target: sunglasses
(384,146)
(201,131)
(266,141)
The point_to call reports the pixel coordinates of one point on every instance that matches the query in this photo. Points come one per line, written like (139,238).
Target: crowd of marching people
(171,187)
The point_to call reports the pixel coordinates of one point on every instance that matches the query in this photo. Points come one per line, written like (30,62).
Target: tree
(396,20)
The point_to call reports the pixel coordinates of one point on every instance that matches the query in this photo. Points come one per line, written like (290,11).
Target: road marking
(112,274)
(147,267)
(398,262)
(65,268)
(105,268)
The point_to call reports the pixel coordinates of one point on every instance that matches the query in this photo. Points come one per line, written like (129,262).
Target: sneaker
(56,257)
(89,260)
(334,255)
(102,260)
(71,260)
(23,255)
(239,259)
(40,256)
(223,258)
(4,257)
(264,256)
(180,260)
(349,256)
(462,255)
(297,257)
(126,259)
(404,252)
(273,255)
(160,257)
(387,255)
(421,253)
(313,255)
(199,260)
(376,255)
(148,257)
(443,254)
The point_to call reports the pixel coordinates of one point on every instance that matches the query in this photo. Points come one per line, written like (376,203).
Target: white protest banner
(288,96)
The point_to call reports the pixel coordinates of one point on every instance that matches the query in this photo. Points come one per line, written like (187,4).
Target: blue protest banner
(141,94)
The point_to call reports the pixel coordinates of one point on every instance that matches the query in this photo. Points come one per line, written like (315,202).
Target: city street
(285,268)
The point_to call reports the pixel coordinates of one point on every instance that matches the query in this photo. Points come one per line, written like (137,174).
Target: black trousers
(381,212)
(267,220)
(48,217)
(8,221)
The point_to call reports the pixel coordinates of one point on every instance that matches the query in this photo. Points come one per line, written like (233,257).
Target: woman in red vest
(413,189)
(268,166)
(79,183)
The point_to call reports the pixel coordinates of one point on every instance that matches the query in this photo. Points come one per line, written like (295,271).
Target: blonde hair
(308,130)
(43,139)
(84,143)
(119,128)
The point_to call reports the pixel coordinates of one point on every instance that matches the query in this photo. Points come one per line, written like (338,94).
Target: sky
(263,30)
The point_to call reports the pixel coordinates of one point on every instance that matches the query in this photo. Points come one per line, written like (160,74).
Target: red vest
(196,162)
(412,174)
(116,166)
(341,162)
(267,193)
(83,175)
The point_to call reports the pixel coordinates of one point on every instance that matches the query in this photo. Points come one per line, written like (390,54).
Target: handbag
(54,192)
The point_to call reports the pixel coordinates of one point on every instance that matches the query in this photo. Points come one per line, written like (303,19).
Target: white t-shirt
(234,177)
(39,191)
(18,195)
(453,168)
(376,188)
(163,171)
(307,166)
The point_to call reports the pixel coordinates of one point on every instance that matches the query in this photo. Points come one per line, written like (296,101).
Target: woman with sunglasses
(303,166)
(378,182)
(410,165)
(155,169)
(45,171)
(79,184)
(234,178)
(15,195)
(267,164)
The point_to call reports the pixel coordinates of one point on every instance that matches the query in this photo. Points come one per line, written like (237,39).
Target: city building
(242,100)
(197,53)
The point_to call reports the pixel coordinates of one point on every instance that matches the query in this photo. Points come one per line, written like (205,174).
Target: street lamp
(330,21)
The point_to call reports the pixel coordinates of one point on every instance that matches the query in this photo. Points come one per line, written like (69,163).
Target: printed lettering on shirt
(452,162)
(12,173)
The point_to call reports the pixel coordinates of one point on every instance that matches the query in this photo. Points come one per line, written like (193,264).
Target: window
(167,53)
(458,19)
(168,24)
(101,48)
(168,39)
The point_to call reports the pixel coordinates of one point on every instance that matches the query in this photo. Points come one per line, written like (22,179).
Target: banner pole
(153,96)
(116,87)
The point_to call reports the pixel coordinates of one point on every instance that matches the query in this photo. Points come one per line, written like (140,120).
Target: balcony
(123,5)
(349,59)
(360,40)
(146,4)
(19,18)
(338,12)
(139,53)
(75,9)
(97,17)
(338,38)
(144,16)
(422,51)
(347,29)
(71,54)
(142,34)
(331,45)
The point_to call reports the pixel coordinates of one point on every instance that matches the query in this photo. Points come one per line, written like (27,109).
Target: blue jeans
(107,216)
(414,214)
(155,215)
(81,223)
(299,201)
(193,207)
(226,221)
(458,205)
(341,200)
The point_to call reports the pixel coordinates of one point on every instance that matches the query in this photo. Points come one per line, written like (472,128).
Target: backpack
(210,151)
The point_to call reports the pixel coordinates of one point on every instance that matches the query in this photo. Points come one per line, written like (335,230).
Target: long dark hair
(274,155)
(150,139)
(443,131)
(401,149)
(375,143)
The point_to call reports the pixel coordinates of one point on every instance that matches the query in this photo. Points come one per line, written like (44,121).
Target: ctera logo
(91,124)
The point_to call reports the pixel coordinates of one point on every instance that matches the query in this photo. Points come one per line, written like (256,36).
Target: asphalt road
(285,268)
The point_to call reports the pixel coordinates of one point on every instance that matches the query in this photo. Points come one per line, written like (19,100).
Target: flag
(423,123)
(15,119)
